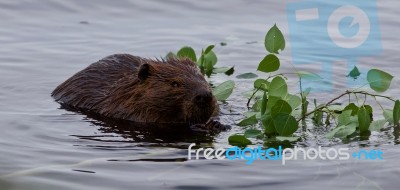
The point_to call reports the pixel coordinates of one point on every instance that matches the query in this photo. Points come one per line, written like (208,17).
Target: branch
(251,97)
(345,93)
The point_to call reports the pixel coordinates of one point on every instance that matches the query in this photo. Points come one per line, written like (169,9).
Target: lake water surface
(44,147)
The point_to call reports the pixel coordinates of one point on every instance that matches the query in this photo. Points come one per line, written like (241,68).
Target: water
(44,147)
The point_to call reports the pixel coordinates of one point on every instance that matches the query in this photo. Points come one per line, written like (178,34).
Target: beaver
(127,87)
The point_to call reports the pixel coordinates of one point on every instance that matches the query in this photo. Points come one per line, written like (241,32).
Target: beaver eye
(175,84)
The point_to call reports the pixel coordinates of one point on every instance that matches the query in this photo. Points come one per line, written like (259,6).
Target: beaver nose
(203,98)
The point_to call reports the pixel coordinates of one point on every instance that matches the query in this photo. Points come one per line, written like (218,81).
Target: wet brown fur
(112,87)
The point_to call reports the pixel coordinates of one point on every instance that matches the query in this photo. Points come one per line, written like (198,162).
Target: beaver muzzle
(203,99)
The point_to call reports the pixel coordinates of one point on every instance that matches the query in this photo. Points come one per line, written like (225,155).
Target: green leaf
(290,139)
(248,121)
(209,59)
(278,87)
(285,124)
(274,40)
(377,125)
(270,63)
(308,75)
(271,102)
(252,133)
(306,92)
(346,130)
(261,84)
(208,68)
(369,109)
(221,69)
(238,140)
(171,55)
(268,124)
(293,100)
(354,73)
(227,70)
(364,119)
(335,108)
(247,76)
(396,112)
(200,62)
(207,62)
(344,118)
(230,71)
(296,113)
(264,103)
(187,52)
(318,117)
(332,133)
(388,114)
(224,90)
(208,49)
(281,106)
(251,113)
(257,106)
(354,119)
(342,131)
(354,109)
(304,107)
(379,80)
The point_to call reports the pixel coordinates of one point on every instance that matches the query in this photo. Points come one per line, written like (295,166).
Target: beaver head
(172,91)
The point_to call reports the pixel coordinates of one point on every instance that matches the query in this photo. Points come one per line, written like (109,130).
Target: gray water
(44,147)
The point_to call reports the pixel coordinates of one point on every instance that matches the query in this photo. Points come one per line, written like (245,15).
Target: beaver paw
(199,128)
(216,125)
(210,126)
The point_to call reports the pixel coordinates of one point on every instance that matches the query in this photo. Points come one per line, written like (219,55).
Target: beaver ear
(144,71)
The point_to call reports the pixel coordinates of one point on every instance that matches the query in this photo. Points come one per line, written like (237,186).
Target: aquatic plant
(281,113)
(207,65)
(275,114)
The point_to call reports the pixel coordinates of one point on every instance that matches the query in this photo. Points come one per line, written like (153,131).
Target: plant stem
(251,97)
(282,74)
(341,95)
(303,112)
(369,94)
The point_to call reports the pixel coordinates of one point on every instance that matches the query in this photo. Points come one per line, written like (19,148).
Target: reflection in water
(150,133)
(153,160)
(6,185)
(276,144)
(396,134)
(364,136)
